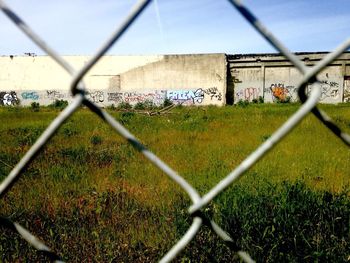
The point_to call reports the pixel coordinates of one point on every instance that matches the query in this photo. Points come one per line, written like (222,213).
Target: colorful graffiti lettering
(189,97)
(9,98)
(280,93)
(186,96)
(32,95)
(251,94)
(248,94)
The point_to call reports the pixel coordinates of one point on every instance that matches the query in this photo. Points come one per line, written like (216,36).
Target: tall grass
(91,196)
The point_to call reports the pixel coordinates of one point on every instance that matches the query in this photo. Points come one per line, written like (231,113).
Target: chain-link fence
(78,90)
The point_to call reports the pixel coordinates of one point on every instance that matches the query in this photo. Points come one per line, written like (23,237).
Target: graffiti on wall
(329,90)
(347,90)
(9,98)
(213,93)
(30,95)
(193,97)
(96,96)
(116,97)
(186,96)
(248,94)
(157,97)
(105,97)
(133,97)
(54,95)
(281,93)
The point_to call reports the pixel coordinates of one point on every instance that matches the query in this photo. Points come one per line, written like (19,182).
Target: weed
(26,135)
(78,154)
(167,102)
(111,107)
(243,103)
(12,109)
(139,106)
(284,100)
(59,104)
(70,129)
(60,173)
(124,106)
(102,158)
(96,197)
(125,117)
(261,99)
(265,137)
(146,105)
(96,139)
(288,222)
(35,106)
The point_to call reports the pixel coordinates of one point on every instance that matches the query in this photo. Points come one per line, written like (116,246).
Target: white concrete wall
(43,73)
(187,79)
(280,83)
(248,84)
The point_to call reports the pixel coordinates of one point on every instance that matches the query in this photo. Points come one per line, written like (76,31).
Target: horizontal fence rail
(77,87)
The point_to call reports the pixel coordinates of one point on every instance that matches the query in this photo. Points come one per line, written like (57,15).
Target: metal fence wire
(78,90)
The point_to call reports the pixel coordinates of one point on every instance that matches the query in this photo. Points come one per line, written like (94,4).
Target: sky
(79,27)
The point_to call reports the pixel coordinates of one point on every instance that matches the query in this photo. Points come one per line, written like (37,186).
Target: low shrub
(167,102)
(125,117)
(285,100)
(59,104)
(124,106)
(111,107)
(243,103)
(95,139)
(26,135)
(69,129)
(146,105)
(35,106)
(259,100)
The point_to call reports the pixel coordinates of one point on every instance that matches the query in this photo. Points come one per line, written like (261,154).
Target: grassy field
(91,197)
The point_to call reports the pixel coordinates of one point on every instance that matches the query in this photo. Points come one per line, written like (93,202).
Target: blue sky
(78,27)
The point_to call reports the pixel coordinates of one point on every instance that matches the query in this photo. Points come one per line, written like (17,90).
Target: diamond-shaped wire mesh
(77,88)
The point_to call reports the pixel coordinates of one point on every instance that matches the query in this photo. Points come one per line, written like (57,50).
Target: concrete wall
(186,79)
(273,77)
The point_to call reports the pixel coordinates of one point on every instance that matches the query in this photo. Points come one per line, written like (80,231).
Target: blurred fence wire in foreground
(78,89)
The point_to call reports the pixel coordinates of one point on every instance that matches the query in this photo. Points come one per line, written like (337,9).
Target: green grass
(90,195)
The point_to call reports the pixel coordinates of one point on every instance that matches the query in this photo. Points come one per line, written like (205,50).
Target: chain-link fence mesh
(78,89)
